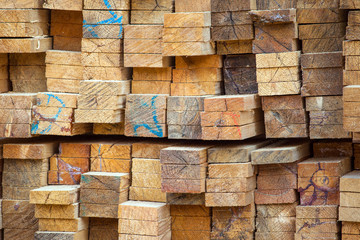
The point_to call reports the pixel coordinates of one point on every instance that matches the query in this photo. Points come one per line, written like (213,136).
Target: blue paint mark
(113,20)
(158,131)
(51,120)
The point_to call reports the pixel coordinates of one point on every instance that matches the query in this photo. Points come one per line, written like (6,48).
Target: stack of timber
(351,112)
(321,26)
(197,76)
(285,116)
(105,20)
(187,34)
(276,31)
(146,172)
(24,27)
(276,194)
(231,23)
(231,178)
(232,117)
(319,178)
(4,73)
(15,120)
(233,222)
(322,74)
(150,12)
(278,161)
(109,156)
(326,117)
(151,81)
(27,72)
(145,115)
(183,117)
(102,101)
(317,222)
(143,38)
(140,220)
(57,210)
(53,114)
(240,74)
(67,166)
(183,169)
(190,222)
(102,59)
(66,27)
(103,228)
(278,73)
(64,71)
(349,198)
(275,221)
(25,168)
(143,47)
(101,193)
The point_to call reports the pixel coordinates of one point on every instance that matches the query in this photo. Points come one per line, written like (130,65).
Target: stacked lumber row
(146,172)
(151,80)
(145,115)
(66,27)
(27,72)
(239,74)
(15,120)
(187,34)
(317,222)
(232,117)
(183,169)
(53,114)
(321,26)
(276,194)
(318,184)
(184,117)
(231,178)
(231,23)
(67,166)
(102,101)
(278,70)
(25,168)
(326,117)
(190,222)
(285,117)
(101,193)
(144,220)
(110,156)
(24,27)
(57,210)
(351,71)
(64,71)
(143,38)
(348,190)
(197,76)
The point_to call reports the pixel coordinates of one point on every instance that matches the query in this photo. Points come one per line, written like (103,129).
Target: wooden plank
(276,210)
(234,152)
(233,47)
(104,88)
(188,49)
(319,15)
(331,167)
(55,195)
(322,45)
(282,152)
(63,5)
(183,20)
(349,182)
(63,225)
(275,196)
(317,212)
(57,211)
(219,6)
(44,235)
(348,214)
(280,16)
(322,60)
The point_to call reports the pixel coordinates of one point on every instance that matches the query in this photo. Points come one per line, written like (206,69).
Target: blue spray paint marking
(51,120)
(114,19)
(159,131)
